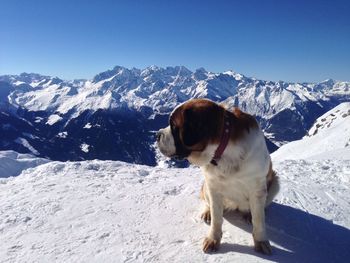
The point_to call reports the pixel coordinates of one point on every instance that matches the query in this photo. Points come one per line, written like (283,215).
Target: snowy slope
(13,163)
(104,211)
(329,137)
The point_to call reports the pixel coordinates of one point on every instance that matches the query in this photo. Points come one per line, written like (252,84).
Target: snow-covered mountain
(110,211)
(161,89)
(329,137)
(113,116)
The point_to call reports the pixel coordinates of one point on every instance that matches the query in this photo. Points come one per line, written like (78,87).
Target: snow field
(104,211)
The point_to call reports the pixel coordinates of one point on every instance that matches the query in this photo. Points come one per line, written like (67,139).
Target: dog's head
(192,126)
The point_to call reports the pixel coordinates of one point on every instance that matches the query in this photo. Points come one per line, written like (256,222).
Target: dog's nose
(159,135)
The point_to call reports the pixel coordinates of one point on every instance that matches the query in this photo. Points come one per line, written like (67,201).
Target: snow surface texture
(105,211)
(328,138)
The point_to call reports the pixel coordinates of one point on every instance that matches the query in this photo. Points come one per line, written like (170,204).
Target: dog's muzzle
(165,142)
(169,144)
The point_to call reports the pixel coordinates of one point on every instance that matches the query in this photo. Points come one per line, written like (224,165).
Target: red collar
(225,136)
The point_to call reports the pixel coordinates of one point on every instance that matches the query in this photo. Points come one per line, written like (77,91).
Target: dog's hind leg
(257,200)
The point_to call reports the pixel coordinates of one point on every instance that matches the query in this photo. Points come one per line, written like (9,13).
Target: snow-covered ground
(105,211)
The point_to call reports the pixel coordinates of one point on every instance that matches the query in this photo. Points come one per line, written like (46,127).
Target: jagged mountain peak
(32,79)
(200,74)
(117,70)
(328,82)
(234,74)
(153,71)
(169,70)
(32,76)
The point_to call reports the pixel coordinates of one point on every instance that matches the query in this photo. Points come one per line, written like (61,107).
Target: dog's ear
(199,124)
(193,131)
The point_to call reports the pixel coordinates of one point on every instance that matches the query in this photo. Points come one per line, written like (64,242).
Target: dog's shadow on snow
(300,236)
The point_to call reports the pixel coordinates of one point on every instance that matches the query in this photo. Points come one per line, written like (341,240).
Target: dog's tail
(273,186)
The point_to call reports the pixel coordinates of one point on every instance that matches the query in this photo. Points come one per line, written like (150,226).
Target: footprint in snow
(143,173)
(104,235)
(15,248)
(58,168)
(94,167)
(26,219)
(174,191)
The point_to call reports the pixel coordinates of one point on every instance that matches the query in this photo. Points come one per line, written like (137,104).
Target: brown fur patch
(244,122)
(201,122)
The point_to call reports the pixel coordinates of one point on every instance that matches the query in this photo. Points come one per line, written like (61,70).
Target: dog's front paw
(210,244)
(263,247)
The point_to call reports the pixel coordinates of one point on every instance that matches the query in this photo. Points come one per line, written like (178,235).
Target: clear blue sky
(296,40)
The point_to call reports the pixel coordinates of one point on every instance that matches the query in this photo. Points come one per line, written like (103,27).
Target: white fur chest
(241,171)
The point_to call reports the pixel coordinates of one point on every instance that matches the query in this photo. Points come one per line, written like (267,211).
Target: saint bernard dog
(231,150)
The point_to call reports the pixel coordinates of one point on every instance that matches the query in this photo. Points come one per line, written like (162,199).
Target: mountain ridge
(141,99)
